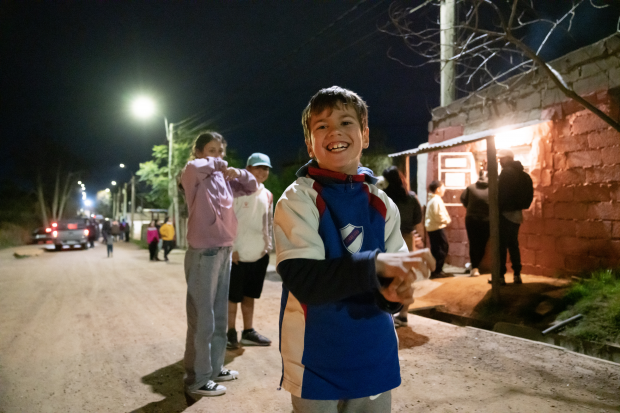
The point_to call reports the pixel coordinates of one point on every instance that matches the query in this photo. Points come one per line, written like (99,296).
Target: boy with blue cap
(250,255)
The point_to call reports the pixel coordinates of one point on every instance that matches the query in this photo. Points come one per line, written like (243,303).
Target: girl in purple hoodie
(209,186)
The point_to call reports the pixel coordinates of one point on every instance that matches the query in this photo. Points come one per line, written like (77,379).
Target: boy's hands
(403,269)
(231,173)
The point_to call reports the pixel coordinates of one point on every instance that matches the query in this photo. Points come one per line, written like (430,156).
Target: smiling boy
(344,265)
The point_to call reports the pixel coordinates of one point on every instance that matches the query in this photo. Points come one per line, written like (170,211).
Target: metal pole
(125,202)
(133,203)
(446,41)
(493,218)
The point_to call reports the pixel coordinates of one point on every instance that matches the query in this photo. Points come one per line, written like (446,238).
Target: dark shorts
(247,278)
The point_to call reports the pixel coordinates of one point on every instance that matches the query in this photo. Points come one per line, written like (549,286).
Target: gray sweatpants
(207,272)
(374,404)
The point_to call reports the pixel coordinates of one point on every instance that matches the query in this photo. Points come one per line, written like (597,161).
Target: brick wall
(575,222)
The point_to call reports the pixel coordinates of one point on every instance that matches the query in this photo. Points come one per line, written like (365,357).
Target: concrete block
(611,156)
(595,68)
(570,143)
(604,248)
(547,210)
(583,159)
(615,230)
(612,44)
(556,228)
(549,259)
(569,177)
(603,174)
(552,96)
(614,192)
(534,226)
(562,194)
(571,246)
(532,101)
(594,229)
(545,177)
(591,193)
(604,138)
(582,263)
(614,77)
(604,211)
(587,123)
(591,84)
(570,210)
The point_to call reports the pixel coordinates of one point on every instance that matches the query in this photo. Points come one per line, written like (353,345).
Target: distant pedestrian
(250,256)
(476,199)
(437,218)
(167,235)
(515,192)
(109,240)
(410,219)
(209,186)
(127,231)
(92,232)
(116,229)
(152,238)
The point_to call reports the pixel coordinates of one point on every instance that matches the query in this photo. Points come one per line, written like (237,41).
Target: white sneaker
(474,273)
(210,389)
(226,375)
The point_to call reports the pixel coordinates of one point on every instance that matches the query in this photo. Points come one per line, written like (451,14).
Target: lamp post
(144,107)
(133,198)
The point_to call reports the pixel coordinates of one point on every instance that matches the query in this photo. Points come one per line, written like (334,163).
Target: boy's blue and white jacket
(337,337)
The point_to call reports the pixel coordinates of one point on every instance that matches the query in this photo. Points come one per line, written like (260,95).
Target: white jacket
(255,225)
(437,216)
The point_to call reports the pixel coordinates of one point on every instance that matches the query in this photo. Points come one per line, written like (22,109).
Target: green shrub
(598,299)
(12,235)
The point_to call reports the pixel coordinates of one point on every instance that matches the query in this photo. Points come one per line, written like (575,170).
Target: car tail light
(86,232)
(54,225)
(48,230)
(55,234)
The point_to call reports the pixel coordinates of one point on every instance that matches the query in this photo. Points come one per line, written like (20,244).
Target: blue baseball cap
(258,159)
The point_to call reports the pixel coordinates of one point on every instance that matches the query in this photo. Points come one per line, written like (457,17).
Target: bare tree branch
(491,42)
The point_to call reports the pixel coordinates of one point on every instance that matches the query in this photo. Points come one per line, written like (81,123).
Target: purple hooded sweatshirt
(209,197)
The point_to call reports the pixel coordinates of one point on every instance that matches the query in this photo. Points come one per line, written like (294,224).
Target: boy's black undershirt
(324,281)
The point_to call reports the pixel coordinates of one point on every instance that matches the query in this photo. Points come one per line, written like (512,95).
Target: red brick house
(572,156)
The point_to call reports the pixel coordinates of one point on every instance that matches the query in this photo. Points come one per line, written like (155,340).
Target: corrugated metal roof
(461,140)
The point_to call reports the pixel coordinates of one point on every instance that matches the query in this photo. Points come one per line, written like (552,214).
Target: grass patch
(598,299)
(141,244)
(12,235)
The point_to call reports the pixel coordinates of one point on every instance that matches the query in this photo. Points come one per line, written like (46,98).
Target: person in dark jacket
(511,216)
(410,212)
(476,199)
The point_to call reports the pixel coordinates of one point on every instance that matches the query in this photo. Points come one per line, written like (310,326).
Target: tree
(494,41)
(52,170)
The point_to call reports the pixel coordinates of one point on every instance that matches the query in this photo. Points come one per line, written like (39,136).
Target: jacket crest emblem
(352,237)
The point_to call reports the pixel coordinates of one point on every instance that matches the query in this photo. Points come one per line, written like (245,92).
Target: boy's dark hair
(330,98)
(204,138)
(433,186)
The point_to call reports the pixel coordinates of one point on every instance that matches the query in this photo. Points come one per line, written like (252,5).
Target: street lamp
(113,183)
(144,107)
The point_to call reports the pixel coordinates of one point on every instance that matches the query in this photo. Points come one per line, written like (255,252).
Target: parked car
(70,232)
(41,235)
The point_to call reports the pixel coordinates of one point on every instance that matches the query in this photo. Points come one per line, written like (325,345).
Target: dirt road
(83,333)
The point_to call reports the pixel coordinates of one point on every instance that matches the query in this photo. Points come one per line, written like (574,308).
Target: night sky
(249,67)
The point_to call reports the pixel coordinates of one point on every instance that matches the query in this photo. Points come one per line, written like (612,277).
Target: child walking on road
(437,218)
(345,268)
(250,255)
(209,186)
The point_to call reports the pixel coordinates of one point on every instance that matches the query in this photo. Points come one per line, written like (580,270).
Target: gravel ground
(83,333)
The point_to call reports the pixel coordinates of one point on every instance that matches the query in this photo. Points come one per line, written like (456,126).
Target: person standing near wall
(476,199)
(437,218)
(515,193)
(410,219)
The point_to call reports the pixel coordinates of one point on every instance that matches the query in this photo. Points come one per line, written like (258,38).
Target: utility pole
(173,192)
(446,39)
(493,218)
(125,202)
(133,203)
